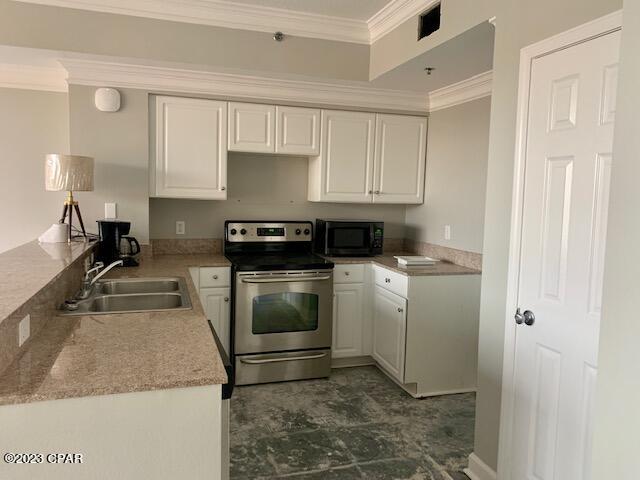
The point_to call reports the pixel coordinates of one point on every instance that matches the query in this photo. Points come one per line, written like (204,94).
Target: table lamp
(69,173)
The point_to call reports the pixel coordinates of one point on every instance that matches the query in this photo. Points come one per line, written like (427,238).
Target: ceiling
(460,58)
(357,21)
(353,9)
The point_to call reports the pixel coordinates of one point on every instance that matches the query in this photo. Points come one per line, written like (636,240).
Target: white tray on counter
(415,261)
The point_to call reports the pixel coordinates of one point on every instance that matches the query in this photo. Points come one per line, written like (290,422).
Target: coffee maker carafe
(116,244)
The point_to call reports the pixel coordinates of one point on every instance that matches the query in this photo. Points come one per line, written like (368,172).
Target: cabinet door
(347,320)
(190,149)
(344,170)
(401,143)
(252,127)
(297,131)
(389,331)
(215,302)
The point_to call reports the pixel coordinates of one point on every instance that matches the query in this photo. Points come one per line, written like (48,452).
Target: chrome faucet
(92,276)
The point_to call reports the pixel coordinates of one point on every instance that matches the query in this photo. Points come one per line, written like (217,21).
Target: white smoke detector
(107,99)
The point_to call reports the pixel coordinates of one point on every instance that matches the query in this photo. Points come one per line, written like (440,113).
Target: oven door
(281,311)
(344,238)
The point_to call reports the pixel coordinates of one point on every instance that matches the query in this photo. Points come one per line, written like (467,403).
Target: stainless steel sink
(130,295)
(137,285)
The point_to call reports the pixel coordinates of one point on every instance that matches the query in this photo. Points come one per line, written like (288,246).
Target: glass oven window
(285,312)
(352,237)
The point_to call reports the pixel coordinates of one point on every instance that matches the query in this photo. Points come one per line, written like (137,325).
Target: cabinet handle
(370,192)
(223,188)
(387,280)
(215,277)
(377,192)
(400,310)
(346,273)
(226,299)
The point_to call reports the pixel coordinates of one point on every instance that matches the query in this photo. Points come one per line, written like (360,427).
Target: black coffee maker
(116,244)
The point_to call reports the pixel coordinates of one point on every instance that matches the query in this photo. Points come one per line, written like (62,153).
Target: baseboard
(346,362)
(478,470)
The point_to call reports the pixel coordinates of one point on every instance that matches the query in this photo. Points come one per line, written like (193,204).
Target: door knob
(527,317)
(519,318)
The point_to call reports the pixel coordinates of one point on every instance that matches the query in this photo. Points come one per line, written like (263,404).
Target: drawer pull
(215,277)
(346,273)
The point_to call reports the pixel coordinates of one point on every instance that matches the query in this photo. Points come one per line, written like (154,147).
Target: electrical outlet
(180,227)
(447,232)
(24,330)
(111,210)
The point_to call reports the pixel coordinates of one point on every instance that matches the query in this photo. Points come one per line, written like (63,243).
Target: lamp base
(69,206)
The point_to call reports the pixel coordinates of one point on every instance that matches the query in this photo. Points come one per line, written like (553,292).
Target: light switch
(180,227)
(24,330)
(447,232)
(110,210)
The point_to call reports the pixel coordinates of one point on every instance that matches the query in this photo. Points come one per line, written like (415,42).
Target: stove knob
(298,231)
(307,231)
(243,231)
(233,231)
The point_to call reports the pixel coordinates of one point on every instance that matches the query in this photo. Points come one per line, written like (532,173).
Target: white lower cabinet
(389,331)
(216,303)
(347,320)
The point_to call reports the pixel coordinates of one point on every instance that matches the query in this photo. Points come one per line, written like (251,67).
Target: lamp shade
(68,172)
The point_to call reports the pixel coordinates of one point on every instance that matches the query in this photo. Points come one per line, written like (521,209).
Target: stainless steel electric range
(281,313)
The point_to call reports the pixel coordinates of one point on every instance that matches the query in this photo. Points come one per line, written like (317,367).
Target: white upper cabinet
(252,127)
(400,156)
(190,149)
(297,131)
(343,172)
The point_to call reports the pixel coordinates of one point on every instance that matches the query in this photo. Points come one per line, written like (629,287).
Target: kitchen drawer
(215,277)
(393,281)
(348,273)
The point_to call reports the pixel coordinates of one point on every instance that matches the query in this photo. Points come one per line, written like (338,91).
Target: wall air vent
(429,22)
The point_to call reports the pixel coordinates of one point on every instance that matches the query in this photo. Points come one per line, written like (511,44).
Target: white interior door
(566,191)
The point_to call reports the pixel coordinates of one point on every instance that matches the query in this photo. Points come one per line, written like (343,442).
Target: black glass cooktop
(278,261)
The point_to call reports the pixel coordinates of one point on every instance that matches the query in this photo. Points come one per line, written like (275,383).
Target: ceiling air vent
(429,22)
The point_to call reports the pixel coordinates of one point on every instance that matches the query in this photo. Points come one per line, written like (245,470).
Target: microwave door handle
(285,279)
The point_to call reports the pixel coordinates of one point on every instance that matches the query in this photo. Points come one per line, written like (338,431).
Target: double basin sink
(130,295)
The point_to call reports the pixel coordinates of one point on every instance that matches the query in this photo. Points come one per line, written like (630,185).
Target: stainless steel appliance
(349,237)
(282,302)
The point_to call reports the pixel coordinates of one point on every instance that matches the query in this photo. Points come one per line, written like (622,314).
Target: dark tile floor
(355,425)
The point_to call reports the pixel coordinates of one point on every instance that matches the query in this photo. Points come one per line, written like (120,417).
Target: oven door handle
(281,359)
(285,279)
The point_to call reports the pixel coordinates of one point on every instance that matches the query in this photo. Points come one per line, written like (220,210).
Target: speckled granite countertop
(440,268)
(118,353)
(27,269)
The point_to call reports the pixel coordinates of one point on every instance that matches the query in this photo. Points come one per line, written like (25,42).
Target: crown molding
(394,14)
(169,79)
(226,14)
(478,86)
(31,77)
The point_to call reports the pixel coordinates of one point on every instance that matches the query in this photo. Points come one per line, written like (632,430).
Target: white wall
(32,124)
(457,150)
(119,142)
(616,441)
(518,24)
(262,187)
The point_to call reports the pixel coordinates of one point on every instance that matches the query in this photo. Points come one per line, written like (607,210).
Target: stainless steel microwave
(349,237)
